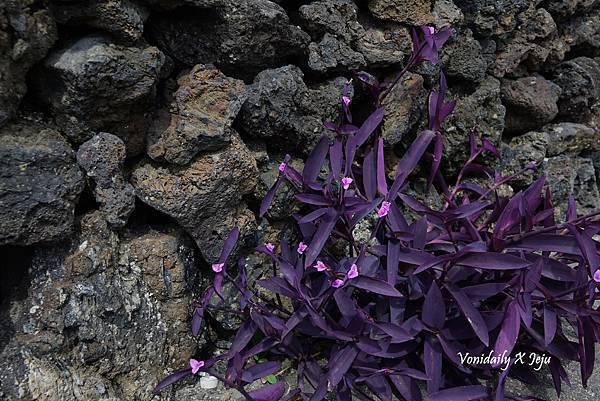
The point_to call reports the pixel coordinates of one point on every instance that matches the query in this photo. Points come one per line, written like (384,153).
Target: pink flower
(337,283)
(196,365)
(346,181)
(302,247)
(282,167)
(346,100)
(384,209)
(270,247)
(597,276)
(218,267)
(431,30)
(353,272)
(320,266)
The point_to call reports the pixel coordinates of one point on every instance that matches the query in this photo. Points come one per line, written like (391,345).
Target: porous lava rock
(94,85)
(197,116)
(405,11)
(206,196)
(102,158)
(105,316)
(40,183)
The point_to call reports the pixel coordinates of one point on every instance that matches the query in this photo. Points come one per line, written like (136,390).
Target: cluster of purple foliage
(484,275)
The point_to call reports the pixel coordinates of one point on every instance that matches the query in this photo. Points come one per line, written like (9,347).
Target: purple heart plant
(396,315)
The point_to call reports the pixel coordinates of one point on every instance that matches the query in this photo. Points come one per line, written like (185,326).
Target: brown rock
(204,197)
(384,44)
(406,11)
(197,117)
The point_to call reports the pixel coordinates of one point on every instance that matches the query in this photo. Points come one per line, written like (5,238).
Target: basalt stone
(579,80)
(93,85)
(331,54)
(124,18)
(287,113)
(530,103)
(336,17)
(582,33)
(572,139)
(522,150)
(445,13)
(205,196)
(241,37)
(102,158)
(105,317)
(575,176)
(40,184)
(463,58)
(27,32)
(197,117)
(384,44)
(481,109)
(406,11)
(492,17)
(566,8)
(404,106)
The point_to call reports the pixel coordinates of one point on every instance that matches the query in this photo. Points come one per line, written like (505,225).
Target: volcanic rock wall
(135,133)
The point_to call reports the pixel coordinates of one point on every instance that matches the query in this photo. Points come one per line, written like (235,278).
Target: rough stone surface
(572,139)
(330,54)
(384,44)
(204,197)
(406,11)
(521,150)
(124,18)
(579,80)
(104,318)
(197,116)
(102,158)
(336,17)
(239,36)
(282,109)
(530,103)
(40,184)
(93,85)
(572,176)
(27,32)
(404,106)
(463,58)
(492,17)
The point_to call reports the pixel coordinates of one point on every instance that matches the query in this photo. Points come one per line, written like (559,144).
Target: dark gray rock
(463,58)
(446,13)
(404,106)
(284,204)
(566,8)
(105,317)
(331,54)
(492,17)
(241,37)
(336,17)
(282,109)
(406,11)
(481,109)
(582,33)
(575,176)
(40,184)
(384,44)
(123,18)
(204,197)
(27,32)
(102,158)
(197,117)
(93,85)
(579,80)
(572,139)
(521,150)
(530,103)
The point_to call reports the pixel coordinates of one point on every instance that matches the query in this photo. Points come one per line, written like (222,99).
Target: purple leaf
(549,324)
(229,244)
(472,314)
(493,261)
(381,180)
(320,238)
(509,332)
(409,161)
(464,393)
(434,308)
(375,285)
(432,359)
(270,392)
(315,161)
(172,378)
(369,126)
(370,174)
(260,370)
(341,362)
(268,199)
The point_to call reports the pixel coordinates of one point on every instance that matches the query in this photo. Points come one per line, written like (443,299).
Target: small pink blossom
(337,283)
(320,266)
(270,247)
(431,30)
(282,167)
(196,365)
(218,267)
(302,247)
(384,209)
(597,276)
(346,100)
(353,272)
(346,181)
